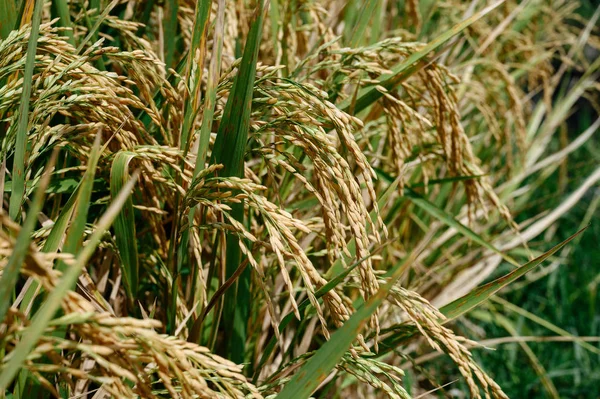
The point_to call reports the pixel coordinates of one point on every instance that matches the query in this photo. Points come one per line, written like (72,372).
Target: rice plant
(278,198)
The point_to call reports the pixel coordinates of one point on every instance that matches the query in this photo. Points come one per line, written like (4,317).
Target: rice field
(294,198)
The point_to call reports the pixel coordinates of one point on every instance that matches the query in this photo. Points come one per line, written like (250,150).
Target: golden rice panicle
(426,318)
(458,128)
(119,353)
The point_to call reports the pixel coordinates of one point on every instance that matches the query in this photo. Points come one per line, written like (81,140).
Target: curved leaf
(125,235)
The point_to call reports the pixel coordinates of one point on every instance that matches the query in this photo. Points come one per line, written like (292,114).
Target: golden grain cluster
(364,176)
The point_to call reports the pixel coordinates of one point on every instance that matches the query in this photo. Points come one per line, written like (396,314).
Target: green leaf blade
(52,303)
(471,300)
(12,269)
(229,150)
(18,192)
(124,225)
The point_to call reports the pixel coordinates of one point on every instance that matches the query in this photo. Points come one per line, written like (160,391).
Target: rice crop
(280,198)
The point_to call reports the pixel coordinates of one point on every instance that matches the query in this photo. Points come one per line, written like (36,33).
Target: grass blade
(52,303)
(18,172)
(316,369)
(464,304)
(78,204)
(170,27)
(546,324)
(76,230)
(65,185)
(11,271)
(475,298)
(8,10)
(52,244)
(230,144)
(303,305)
(360,27)
(93,31)
(446,217)
(338,266)
(61,7)
(211,90)
(125,234)
(195,68)
(205,129)
(449,220)
(229,150)
(333,282)
(537,366)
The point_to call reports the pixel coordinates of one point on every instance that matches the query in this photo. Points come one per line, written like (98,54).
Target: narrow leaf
(11,271)
(16,196)
(360,27)
(77,203)
(61,7)
(195,68)
(483,293)
(229,150)
(125,234)
(170,28)
(546,324)
(316,369)
(94,29)
(449,220)
(205,129)
(75,232)
(475,298)
(62,186)
(8,10)
(52,303)
(331,284)
(211,90)
(338,268)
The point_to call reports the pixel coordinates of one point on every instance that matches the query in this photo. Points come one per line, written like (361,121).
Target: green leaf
(454,179)
(205,129)
(76,229)
(331,284)
(170,28)
(62,186)
(60,9)
(77,203)
(18,175)
(59,228)
(403,332)
(229,149)
(195,68)
(360,26)
(316,369)
(8,17)
(476,297)
(125,234)
(338,268)
(449,220)
(211,89)
(546,324)
(52,303)
(11,271)
(99,19)
(537,366)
